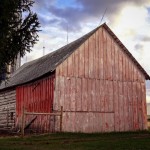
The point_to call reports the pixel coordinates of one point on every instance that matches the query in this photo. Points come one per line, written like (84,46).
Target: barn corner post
(61,117)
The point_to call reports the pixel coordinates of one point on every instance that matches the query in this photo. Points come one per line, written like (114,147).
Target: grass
(78,141)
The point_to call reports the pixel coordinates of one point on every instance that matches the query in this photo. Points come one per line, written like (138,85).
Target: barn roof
(37,68)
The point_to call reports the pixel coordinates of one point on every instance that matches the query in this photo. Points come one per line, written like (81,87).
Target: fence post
(23,121)
(61,116)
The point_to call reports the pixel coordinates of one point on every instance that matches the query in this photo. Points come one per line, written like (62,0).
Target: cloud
(87,10)
(148,86)
(145,38)
(147,99)
(42,4)
(138,47)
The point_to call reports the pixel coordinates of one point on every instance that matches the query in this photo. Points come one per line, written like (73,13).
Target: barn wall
(7,109)
(100,88)
(36,97)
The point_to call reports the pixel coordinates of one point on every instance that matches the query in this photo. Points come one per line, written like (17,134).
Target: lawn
(78,141)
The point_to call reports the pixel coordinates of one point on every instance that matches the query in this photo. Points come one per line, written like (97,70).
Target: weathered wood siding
(7,109)
(100,88)
(36,97)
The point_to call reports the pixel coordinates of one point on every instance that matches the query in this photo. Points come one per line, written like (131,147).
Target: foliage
(19,28)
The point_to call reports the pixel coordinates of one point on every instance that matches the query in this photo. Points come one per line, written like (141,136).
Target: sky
(128,19)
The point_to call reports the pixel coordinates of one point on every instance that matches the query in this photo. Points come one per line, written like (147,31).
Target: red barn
(95,78)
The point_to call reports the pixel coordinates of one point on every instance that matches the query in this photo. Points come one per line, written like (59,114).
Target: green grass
(78,141)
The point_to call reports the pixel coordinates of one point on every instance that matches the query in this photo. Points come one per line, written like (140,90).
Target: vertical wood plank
(144,106)
(94,71)
(110,96)
(93,94)
(116,105)
(78,94)
(105,69)
(97,101)
(135,107)
(86,59)
(84,94)
(106,86)
(116,73)
(121,108)
(76,59)
(65,68)
(69,66)
(126,104)
(109,59)
(120,65)
(132,71)
(139,106)
(97,58)
(127,69)
(91,57)
(89,94)
(130,92)
(102,96)
(123,67)
(72,95)
(81,61)
(73,63)
(113,59)
(67,94)
(101,54)
(56,94)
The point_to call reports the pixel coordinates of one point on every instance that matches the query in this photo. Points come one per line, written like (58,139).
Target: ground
(78,141)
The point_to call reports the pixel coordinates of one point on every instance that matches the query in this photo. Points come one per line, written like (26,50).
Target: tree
(18,30)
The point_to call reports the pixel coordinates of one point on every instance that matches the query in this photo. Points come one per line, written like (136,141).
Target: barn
(95,78)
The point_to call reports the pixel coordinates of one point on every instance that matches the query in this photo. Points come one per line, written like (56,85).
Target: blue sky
(129,19)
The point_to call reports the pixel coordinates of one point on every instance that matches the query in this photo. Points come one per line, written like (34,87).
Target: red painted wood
(140,106)
(89,94)
(72,94)
(97,61)
(105,66)
(121,107)
(85,94)
(113,59)
(91,57)
(101,54)
(109,58)
(86,59)
(78,94)
(144,108)
(116,106)
(105,85)
(97,95)
(35,97)
(102,96)
(116,68)
(69,66)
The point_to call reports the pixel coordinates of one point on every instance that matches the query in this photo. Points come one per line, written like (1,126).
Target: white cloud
(130,25)
(147,99)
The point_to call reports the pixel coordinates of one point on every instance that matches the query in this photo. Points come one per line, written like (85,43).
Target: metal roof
(37,68)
